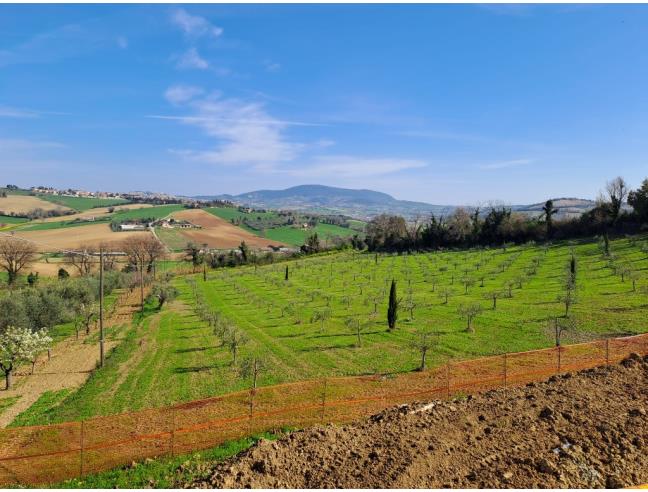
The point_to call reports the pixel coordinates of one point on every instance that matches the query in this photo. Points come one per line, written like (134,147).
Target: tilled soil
(586,429)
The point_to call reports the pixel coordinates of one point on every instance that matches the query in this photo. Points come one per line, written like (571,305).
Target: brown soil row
(586,429)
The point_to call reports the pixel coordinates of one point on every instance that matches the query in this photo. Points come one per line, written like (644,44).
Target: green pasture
(82,204)
(8,219)
(171,355)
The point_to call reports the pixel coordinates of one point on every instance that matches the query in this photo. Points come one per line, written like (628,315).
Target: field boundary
(44,454)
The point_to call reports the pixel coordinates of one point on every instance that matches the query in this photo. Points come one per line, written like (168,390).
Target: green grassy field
(156,212)
(62,224)
(172,356)
(82,204)
(7,219)
(287,234)
(172,238)
(165,473)
(297,237)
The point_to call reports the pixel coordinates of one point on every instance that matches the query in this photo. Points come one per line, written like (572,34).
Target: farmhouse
(175,224)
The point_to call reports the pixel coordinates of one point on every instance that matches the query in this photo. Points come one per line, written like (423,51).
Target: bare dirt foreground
(587,429)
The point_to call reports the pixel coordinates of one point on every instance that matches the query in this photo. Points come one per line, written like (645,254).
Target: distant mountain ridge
(327,199)
(365,204)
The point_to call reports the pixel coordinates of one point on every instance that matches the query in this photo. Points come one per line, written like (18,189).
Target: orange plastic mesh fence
(49,454)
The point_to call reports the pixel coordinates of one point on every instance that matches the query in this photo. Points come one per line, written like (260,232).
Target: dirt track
(587,429)
(71,365)
(219,233)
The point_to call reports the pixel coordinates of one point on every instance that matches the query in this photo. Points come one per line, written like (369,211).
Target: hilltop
(366,204)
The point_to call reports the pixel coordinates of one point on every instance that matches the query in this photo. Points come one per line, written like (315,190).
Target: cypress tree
(286,272)
(392,310)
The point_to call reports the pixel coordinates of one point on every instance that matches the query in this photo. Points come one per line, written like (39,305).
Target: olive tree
(469,312)
(423,342)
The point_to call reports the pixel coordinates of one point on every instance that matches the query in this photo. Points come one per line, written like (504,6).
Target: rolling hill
(362,204)
(365,204)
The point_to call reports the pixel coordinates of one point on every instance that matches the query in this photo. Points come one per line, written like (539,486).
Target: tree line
(497,224)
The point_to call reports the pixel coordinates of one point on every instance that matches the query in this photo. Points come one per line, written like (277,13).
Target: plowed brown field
(217,232)
(20,204)
(51,240)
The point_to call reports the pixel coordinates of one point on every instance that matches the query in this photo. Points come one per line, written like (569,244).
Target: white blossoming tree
(17,346)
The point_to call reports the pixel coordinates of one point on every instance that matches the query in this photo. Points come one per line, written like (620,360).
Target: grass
(172,356)
(165,473)
(156,212)
(8,219)
(82,204)
(173,238)
(62,224)
(297,237)
(287,234)
(7,402)
(38,413)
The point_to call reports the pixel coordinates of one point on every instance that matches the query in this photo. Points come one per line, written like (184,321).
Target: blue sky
(444,104)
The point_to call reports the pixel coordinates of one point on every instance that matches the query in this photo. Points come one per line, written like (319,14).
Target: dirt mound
(587,429)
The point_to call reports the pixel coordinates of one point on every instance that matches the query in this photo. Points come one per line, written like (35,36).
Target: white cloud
(506,164)
(194,25)
(346,166)
(245,132)
(9,112)
(271,66)
(122,42)
(179,94)
(192,59)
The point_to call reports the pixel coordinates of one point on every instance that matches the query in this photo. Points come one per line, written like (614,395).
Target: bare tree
(321,315)
(235,338)
(617,192)
(423,342)
(445,293)
(568,297)
(493,295)
(252,367)
(561,325)
(354,324)
(469,312)
(467,283)
(15,254)
(82,259)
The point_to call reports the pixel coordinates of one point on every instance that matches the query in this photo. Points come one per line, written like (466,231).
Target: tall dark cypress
(392,310)
(286,272)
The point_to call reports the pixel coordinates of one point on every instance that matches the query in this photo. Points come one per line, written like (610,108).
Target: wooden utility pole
(101,308)
(141,272)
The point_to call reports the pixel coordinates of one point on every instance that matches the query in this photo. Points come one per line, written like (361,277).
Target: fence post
(505,370)
(252,392)
(81,437)
(607,351)
(173,428)
(323,416)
